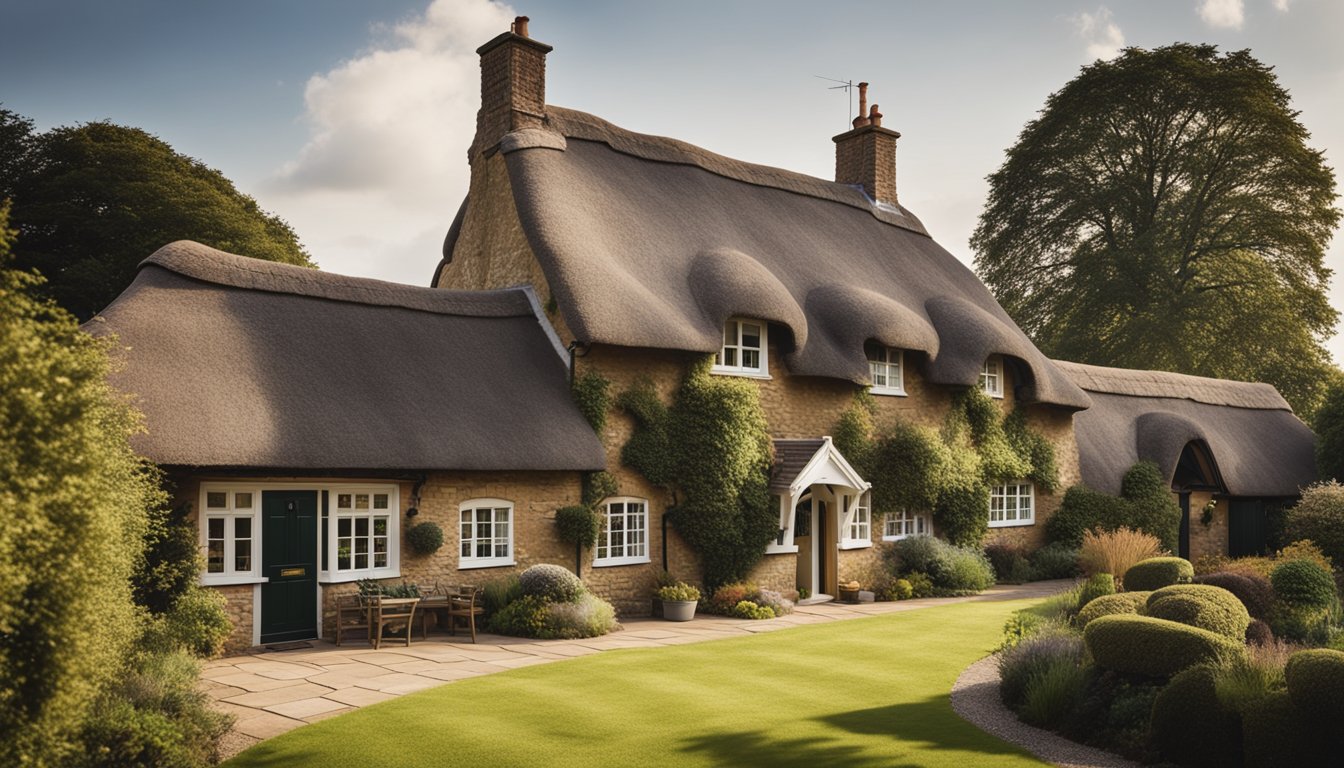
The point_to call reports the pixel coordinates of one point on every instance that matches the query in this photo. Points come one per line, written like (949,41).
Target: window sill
(1011,523)
(903,536)
(496,562)
(887,391)
(615,561)
(781,549)
(208,580)
(342,577)
(855,544)
(995,395)
(744,373)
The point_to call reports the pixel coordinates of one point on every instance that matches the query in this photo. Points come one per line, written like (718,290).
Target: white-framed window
(360,523)
(886,369)
(744,349)
(1012,503)
(625,533)
(229,520)
(900,525)
(856,527)
(487,533)
(991,376)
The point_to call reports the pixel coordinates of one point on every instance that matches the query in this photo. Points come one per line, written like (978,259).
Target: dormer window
(991,376)
(886,369)
(744,349)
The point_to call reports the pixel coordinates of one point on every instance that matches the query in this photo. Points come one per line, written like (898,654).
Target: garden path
(271,692)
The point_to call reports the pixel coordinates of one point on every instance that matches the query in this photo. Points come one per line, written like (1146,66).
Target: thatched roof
(651,242)
(1259,446)
(238,362)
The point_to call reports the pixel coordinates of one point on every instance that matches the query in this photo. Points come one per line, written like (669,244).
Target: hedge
(1158,572)
(1316,683)
(1121,603)
(1142,645)
(1097,585)
(1223,614)
(1190,727)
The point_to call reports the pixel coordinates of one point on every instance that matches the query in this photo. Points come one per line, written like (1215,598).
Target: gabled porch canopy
(802,464)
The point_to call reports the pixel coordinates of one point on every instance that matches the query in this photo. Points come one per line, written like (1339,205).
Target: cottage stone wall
(1208,540)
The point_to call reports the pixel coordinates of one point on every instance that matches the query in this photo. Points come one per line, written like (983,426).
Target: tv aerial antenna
(844,85)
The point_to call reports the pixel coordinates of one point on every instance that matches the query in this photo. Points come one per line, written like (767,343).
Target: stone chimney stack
(866,155)
(513,86)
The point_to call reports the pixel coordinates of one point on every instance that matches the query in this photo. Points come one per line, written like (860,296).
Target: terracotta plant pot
(679,610)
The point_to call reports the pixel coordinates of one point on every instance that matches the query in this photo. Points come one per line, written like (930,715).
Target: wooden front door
(1184,542)
(289,562)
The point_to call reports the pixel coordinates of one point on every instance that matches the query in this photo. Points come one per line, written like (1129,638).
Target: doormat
(290,646)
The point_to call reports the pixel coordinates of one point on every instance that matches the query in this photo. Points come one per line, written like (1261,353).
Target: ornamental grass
(1114,552)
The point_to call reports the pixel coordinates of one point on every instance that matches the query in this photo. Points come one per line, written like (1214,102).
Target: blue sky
(351,119)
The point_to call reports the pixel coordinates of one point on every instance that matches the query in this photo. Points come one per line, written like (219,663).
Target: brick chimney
(513,86)
(866,155)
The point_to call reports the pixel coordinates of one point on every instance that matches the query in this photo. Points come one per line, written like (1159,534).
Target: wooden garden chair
(391,613)
(464,603)
(352,612)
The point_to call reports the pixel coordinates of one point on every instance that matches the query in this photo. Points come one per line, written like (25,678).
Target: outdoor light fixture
(412,512)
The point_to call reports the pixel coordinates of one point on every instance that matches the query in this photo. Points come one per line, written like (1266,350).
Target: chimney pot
(520,26)
(874,117)
(863,106)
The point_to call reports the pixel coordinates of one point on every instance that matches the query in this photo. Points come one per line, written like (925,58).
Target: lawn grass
(850,693)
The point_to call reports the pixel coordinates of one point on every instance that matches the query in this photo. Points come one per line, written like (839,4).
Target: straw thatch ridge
(1259,446)
(243,363)
(651,242)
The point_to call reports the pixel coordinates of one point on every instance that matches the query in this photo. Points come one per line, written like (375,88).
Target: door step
(816,600)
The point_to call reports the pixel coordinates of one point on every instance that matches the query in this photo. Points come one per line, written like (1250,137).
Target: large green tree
(1165,211)
(90,202)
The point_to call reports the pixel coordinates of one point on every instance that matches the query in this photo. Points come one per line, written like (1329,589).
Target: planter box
(679,610)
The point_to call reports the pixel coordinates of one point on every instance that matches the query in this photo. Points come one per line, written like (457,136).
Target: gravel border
(975,697)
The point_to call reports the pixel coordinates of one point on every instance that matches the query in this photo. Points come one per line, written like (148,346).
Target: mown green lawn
(866,692)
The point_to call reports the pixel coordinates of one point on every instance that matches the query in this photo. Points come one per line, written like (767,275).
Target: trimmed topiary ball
(551,582)
(1201,590)
(1119,604)
(1190,727)
(1303,584)
(1316,682)
(424,538)
(1252,590)
(1158,572)
(1259,633)
(1222,613)
(1143,645)
(1097,585)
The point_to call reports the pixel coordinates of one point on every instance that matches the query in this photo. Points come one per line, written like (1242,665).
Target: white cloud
(1103,36)
(375,187)
(1225,13)
(1281,5)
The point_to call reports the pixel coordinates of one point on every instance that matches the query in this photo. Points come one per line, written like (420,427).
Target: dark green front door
(1247,528)
(289,562)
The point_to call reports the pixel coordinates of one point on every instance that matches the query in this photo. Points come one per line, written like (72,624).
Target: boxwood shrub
(1158,572)
(1303,584)
(1203,590)
(551,582)
(1275,733)
(1190,727)
(1223,613)
(1252,590)
(1149,647)
(1316,683)
(1097,585)
(1121,603)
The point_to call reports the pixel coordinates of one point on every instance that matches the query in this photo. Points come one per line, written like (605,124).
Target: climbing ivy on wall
(592,393)
(712,450)
(947,471)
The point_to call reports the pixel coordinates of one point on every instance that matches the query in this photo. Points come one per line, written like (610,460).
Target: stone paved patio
(272,692)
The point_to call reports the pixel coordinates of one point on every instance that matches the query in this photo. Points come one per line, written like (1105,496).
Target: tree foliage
(1164,211)
(90,202)
(72,495)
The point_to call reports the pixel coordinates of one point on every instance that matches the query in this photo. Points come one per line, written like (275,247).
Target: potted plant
(679,601)
(849,592)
